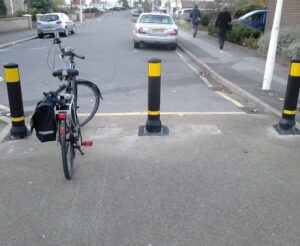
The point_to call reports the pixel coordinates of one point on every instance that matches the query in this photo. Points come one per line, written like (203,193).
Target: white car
(55,22)
(155,28)
(135,12)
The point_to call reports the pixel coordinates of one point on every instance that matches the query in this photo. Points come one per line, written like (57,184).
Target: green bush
(288,42)
(251,43)
(241,32)
(33,12)
(20,13)
(212,30)
(3,9)
(65,10)
(205,20)
(92,10)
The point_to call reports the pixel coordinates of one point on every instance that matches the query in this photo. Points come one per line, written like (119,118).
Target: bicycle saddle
(65,72)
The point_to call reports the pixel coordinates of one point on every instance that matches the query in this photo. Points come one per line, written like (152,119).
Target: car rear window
(187,11)
(49,17)
(157,19)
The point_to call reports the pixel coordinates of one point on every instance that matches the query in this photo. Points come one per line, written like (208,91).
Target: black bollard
(12,77)
(287,122)
(153,124)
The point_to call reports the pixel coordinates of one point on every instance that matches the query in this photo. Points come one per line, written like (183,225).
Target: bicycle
(68,100)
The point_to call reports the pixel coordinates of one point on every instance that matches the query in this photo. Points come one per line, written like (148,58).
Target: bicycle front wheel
(67,149)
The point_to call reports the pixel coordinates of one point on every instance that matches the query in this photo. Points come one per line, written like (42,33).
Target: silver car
(55,22)
(155,28)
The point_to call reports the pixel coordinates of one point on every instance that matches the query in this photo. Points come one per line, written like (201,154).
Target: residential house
(290,13)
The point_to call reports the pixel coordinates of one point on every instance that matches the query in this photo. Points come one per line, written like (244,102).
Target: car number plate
(158,30)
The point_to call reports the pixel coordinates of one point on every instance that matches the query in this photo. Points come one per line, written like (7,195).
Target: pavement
(216,179)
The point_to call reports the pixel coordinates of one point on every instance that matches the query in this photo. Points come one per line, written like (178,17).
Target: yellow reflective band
(289,112)
(12,75)
(295,70)
(153,113)
(154,69)
(17,119)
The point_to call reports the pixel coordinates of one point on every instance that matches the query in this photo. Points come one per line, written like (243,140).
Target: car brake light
(58,22)
(87,143)
(174,32)
(141,30)
(61,116)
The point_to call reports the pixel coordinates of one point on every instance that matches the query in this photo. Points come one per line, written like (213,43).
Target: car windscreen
(49,18)
(157,19)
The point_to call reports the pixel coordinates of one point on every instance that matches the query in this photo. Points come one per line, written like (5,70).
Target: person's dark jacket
(194,15)
(223,19)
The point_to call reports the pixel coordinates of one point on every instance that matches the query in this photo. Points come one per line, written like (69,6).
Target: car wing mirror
(133,20)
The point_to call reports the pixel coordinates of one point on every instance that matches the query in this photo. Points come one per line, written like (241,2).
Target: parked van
(256,19)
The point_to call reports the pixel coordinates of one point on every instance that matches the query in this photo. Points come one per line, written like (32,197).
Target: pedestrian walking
(223,25)
(195,16)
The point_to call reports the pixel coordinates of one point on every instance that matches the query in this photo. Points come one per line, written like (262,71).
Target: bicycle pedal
(87,143)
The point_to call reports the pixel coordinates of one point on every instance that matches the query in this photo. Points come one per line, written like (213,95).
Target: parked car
(185,14)
(55,22)
(255,19)
(176,14)
(155,28)
(135,12)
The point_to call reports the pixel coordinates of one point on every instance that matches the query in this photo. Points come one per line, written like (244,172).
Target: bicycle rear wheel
(88,100)
(67,149)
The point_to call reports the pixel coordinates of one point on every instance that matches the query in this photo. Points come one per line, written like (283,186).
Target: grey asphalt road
(221,177)
(114,65)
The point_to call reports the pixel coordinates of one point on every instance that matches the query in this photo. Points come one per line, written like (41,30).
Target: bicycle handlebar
(66,51)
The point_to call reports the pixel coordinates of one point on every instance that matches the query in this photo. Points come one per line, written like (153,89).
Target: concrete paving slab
(215,179)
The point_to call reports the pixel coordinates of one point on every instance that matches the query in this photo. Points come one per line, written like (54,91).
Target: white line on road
(3,107)
(39,48)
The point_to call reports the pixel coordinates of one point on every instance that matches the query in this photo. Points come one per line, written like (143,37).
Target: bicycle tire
(88,100)
(67,149)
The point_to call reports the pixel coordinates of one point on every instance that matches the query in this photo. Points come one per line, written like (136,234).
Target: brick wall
(290,13)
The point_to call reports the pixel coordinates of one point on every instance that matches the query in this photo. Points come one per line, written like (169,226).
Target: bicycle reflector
(61,116)
(87,143)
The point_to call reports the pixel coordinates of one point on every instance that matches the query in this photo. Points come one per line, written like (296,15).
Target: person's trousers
(195,30)
(222,37)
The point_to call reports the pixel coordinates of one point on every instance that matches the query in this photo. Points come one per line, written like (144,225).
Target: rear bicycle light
(61,116)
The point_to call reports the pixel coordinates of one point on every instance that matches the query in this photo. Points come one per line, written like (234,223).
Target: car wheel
(73,30)
(65,33)
(173,46)
(136,45)
(40,35)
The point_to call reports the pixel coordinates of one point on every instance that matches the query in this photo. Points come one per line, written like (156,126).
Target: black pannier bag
(43,119)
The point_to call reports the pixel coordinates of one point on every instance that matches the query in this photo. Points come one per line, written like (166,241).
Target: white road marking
(38,48)
(5,108)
